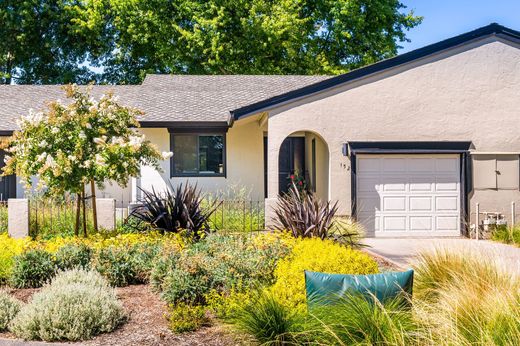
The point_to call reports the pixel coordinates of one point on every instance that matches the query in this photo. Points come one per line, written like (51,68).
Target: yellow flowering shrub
(318,255)
(10,247)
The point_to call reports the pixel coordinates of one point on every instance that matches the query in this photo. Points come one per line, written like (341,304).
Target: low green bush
(142,259)
(72,256)
(32,269)
(9,307)
(219,262)
(123,266)
(187,318)
(77,305)
(115,264)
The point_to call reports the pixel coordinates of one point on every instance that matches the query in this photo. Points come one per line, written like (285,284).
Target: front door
(291,160)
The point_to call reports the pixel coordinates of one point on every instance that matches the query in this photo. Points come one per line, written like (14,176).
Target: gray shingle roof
(163,98)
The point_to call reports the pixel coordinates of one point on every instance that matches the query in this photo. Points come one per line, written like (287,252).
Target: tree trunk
(78,209)
(94,210)
(84,213)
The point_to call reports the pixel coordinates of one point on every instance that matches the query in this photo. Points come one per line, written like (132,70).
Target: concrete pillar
(18,217)
(106,213)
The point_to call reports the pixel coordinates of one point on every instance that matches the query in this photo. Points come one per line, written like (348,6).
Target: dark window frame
(198,133)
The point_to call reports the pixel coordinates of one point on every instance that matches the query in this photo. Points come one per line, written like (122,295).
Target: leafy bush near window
(177,210)
(77,305)
(32,269)
(187,318)
(316,255)
(9,307)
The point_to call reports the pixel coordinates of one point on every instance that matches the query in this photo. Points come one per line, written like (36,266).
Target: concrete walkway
(402,251)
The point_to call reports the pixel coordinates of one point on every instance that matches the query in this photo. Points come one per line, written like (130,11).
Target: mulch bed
(146,324)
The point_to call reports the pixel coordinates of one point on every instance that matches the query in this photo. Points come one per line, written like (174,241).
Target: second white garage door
(409,195)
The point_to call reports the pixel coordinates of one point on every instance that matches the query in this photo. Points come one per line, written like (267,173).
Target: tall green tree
(59,41)
(252,36)
(43,41)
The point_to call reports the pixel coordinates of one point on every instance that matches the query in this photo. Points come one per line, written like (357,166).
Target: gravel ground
(146,324)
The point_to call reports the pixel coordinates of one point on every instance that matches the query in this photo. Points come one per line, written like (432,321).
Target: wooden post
(94,209)
(84,212)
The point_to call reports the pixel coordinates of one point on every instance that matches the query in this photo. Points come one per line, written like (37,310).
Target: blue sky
(444,18)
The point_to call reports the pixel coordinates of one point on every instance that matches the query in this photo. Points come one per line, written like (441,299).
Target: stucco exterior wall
(469,93)
(244,162)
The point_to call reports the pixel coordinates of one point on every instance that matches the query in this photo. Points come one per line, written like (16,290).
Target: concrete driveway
(402,251)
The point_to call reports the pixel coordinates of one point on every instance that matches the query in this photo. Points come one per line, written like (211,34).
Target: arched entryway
(304,157)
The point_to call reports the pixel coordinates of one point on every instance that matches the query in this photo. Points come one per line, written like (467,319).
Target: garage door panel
(369,184)
(406,194)
(421,184)
(447,203)
(447,165)
(447,223)
(420,203)
(369,204)
(421,223)
(369,221)
(393,165)
(394,223)
(369,165)
(394,203)
(421,165)
(394,184)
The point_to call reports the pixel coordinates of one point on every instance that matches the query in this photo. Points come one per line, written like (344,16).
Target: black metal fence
(49,217)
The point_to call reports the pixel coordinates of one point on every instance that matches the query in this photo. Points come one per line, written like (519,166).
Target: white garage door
(409,195)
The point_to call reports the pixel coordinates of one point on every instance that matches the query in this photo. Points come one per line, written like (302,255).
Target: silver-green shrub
(9,307)
(76,305)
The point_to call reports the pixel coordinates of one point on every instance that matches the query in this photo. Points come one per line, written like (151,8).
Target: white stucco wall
(244,162)
(470,93)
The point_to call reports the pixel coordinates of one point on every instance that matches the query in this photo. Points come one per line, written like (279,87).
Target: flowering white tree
(80,142)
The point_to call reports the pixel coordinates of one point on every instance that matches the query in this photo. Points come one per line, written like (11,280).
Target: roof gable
(493,29)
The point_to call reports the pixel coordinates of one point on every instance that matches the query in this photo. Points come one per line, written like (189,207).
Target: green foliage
(195,37)
(9,307)
(356,320)
(72,256)
(267,320)
(219,262)
(48,44)
(248,37)
(176,210)
(123,266)
(187,318)
(237,212)
(75,306)
(507,235)
(32,269)
(115,264)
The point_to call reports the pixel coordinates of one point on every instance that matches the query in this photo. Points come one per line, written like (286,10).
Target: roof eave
(493,29)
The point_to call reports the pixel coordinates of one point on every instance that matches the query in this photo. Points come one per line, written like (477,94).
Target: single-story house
(408,145)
